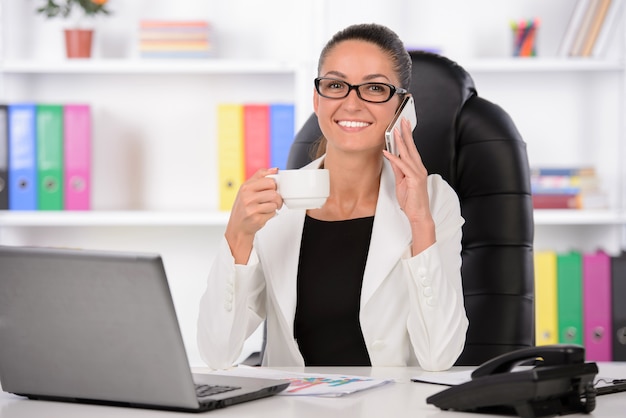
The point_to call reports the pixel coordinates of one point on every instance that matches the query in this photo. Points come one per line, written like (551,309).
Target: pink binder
(77,157)
(597,306)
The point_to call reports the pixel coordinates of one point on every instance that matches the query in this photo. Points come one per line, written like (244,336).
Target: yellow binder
(229,153)
(546,321)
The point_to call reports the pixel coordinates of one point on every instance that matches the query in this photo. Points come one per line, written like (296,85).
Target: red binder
(256,120)
(597,310)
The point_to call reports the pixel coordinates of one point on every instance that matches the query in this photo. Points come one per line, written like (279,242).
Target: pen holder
(525,38)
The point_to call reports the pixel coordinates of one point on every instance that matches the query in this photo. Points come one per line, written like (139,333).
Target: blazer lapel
(280,255)
(281,238)
(391,236)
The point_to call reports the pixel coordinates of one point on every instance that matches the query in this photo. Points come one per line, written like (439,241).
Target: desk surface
(400,399)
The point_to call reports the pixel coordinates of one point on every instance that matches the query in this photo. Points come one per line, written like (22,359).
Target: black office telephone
(560,383)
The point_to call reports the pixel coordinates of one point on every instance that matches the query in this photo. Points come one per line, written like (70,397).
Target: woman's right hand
(257,202)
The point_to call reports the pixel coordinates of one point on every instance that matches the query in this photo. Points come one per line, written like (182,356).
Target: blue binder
(281,133)
(22,157)
(4,157)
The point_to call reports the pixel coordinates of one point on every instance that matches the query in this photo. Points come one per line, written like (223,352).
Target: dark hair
(379,35)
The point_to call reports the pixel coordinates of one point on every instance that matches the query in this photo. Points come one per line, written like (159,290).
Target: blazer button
(228,306)
(428,291)
(431,301)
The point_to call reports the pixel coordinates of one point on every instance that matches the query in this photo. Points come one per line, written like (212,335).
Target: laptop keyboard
(202,390)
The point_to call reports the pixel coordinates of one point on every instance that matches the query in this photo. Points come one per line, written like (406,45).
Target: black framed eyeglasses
(331,88)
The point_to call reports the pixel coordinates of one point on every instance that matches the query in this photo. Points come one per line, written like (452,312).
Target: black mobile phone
(406,110)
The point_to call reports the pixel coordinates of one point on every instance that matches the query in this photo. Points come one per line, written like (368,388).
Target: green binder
(569,297)
(49,157)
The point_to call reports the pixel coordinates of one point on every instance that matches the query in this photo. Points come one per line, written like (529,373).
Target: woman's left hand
(412,183)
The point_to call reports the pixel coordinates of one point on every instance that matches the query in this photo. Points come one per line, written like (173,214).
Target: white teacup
(303,189)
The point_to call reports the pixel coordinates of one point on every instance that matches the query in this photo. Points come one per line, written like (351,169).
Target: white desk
(400,399)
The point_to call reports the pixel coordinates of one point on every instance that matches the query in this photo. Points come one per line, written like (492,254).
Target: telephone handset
(560,383)
(553,355)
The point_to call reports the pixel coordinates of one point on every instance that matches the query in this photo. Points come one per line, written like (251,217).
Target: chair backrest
(475,146)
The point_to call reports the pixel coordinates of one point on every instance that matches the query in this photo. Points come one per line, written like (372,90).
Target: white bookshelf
(247,67)
(146,66)
(543,65)
(112,218)
(542,217)
(547,217)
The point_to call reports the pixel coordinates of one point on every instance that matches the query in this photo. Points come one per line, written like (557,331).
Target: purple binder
(597,311)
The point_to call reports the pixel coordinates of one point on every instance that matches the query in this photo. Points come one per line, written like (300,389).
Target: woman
(373,276)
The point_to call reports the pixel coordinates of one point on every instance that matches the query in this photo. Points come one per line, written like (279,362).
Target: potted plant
(77,40)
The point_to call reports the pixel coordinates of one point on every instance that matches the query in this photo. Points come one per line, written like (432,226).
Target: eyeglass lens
(337,89)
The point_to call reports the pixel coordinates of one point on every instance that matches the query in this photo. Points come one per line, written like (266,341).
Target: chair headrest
(441,89)
(429,68)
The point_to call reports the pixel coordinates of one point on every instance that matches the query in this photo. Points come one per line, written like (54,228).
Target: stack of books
(566,188)
(45,156)
(250,136)
(175,39)
(591,27)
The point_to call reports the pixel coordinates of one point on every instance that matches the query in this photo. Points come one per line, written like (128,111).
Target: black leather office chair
(475,146)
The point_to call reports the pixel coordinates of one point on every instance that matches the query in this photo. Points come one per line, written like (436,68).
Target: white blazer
(412,310)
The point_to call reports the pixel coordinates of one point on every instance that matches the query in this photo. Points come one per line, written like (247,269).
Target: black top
(330,275)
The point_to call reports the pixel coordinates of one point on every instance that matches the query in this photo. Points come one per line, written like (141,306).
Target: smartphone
(406,110)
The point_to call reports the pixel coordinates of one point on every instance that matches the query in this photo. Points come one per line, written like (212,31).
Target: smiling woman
(373,276)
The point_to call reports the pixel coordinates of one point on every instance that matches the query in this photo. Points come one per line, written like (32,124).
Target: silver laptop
(100,327)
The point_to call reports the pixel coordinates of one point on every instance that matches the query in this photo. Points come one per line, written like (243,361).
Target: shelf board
(234,66)
(545,217)
(112,218)
(578,217)
(146,66)
(537,64)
